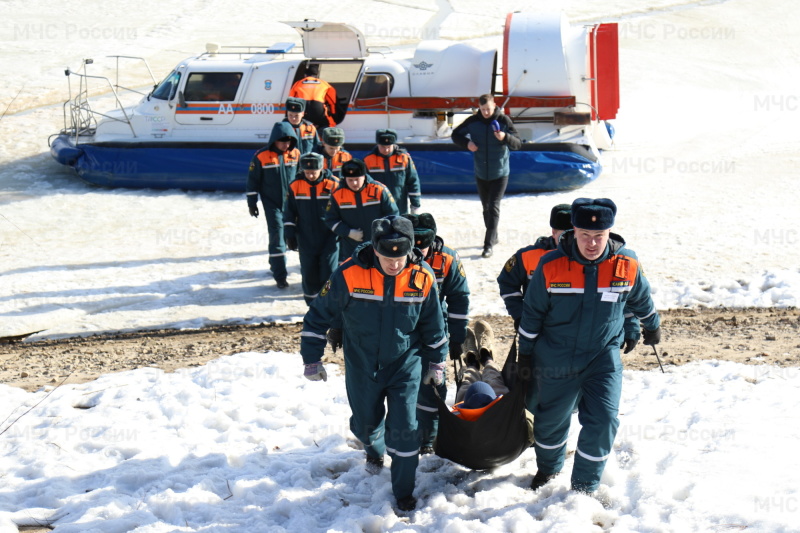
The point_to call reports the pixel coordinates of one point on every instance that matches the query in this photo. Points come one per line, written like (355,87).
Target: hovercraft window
(166,89)
(375,85)
(212,86)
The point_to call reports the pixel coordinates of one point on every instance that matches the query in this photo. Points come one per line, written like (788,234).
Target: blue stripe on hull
(207,166)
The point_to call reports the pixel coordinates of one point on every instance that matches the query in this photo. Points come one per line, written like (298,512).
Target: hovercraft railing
(79,117)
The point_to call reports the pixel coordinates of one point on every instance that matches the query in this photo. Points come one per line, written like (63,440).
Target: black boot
(409,503)
(374,464)
(541,479)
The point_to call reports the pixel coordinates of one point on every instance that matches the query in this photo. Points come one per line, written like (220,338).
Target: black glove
(525,366)
(335,338)
(629,345)
(291,243)
(516,323)
(252,204)
(455,350)
(652,338)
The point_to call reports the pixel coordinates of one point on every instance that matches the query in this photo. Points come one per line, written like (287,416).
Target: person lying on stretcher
(482,387)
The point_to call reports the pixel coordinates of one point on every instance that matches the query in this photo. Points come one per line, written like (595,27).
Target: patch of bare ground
(750,336)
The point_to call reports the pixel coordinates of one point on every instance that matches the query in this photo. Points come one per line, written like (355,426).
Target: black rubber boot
(541,479)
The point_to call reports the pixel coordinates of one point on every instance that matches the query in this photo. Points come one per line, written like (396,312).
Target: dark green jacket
(348,209)
(398,173)
(271,170)
(574,309)
(307,135)
(513,279)
(304,211)
(453,288)
(383,318)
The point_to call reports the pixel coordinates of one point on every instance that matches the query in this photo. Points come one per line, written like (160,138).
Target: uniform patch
(624,283)
(461,270)
(326,288)
(252,166)
(412,294)
(563,285)
(363,291)
(510,263)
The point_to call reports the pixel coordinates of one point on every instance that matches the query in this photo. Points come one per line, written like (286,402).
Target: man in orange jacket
(319,95)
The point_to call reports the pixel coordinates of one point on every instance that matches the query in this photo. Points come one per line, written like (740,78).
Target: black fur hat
(424,229)
(593,214)
(392,236)
(354,168)
(561,217)
(386,137)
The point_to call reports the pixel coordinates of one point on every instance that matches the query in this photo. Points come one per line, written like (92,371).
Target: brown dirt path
(752,336)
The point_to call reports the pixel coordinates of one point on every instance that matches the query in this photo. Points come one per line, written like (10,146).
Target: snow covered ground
(245,443)
(703,172)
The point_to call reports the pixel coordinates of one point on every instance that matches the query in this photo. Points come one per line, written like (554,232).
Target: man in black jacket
(489,135)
